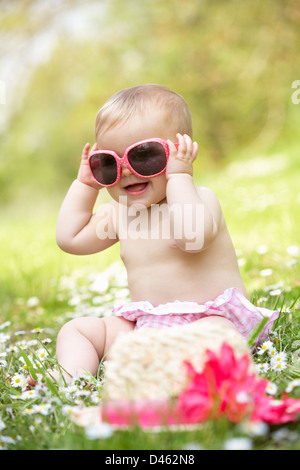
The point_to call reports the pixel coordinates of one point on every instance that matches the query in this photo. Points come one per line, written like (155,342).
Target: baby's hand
(181,159)
(84,173)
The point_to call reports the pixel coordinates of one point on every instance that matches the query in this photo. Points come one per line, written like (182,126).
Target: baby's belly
(159,288)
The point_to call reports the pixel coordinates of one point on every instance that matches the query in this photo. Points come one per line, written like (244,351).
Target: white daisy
(263,367)
(292,385)
(18,380)
(266,346)
(28,394)
(44,409)
(37,330)
(42,353)
(271,388)
(278,364)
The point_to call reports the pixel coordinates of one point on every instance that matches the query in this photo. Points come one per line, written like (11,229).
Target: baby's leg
(216,320)
(83,342)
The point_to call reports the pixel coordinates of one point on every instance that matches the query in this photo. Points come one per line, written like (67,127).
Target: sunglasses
(145,159)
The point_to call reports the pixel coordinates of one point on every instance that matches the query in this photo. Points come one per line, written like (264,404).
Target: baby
(174,242)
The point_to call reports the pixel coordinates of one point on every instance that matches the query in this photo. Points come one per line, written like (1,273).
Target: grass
(41,288)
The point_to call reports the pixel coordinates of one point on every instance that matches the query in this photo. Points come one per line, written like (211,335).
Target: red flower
(225,388)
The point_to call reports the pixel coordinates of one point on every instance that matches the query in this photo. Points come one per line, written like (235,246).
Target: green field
(41,288)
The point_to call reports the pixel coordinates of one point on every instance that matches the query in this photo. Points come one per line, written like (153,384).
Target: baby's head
(133,115)
(166,109)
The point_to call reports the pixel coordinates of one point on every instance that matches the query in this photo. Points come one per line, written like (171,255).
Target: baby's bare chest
(149,225)
(148,250)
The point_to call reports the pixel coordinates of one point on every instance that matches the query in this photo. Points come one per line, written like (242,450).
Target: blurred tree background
(234,62)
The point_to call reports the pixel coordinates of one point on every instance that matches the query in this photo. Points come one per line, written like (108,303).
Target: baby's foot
(54,376)
(31,382)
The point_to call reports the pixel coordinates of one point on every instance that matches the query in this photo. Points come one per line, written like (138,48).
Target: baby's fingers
(182,143)
(85,152)
(94,148)
(188,144)
(172,146)
(195,150)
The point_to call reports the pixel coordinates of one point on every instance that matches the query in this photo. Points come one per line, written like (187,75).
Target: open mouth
(136,189)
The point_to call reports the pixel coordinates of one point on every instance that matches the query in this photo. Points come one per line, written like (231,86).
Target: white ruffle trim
(180,307)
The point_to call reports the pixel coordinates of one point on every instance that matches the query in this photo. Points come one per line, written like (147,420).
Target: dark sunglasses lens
(148,159)
(104,168)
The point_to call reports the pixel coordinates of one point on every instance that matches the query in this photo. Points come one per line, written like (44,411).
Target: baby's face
(134,189)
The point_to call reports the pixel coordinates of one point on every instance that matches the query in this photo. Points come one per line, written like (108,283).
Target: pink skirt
(232,304)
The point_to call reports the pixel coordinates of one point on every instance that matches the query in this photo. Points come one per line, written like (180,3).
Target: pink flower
(276,411)
(225,388)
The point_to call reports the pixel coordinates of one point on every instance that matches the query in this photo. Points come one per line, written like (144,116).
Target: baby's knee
(217,320)
(82,325)
(70,325)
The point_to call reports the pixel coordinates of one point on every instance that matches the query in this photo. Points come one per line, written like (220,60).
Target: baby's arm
(78,230)
(195,212)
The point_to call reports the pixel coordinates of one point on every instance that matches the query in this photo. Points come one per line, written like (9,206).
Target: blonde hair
(126,103)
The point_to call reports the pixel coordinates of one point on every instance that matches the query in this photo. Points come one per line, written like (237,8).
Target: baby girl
(174,242)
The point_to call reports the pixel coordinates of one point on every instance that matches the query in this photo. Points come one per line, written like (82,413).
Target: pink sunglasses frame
(124,159)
